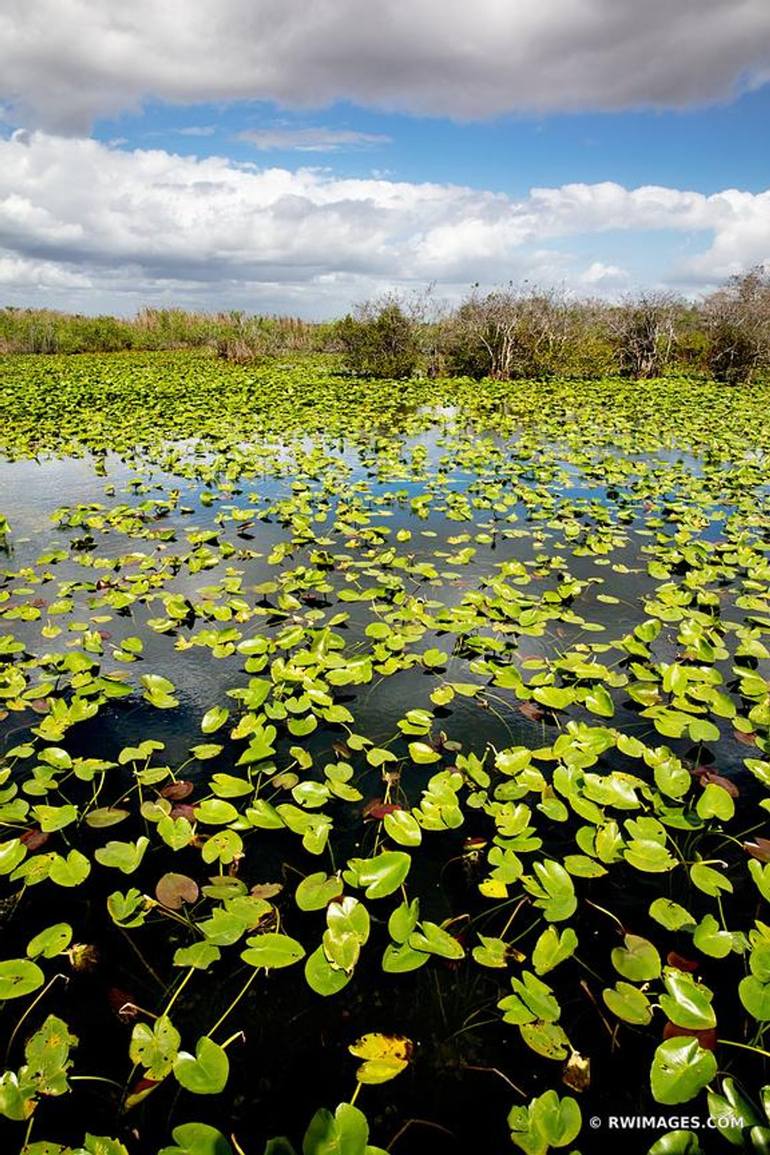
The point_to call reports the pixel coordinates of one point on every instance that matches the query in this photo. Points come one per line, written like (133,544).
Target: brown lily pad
(680,962)
(34,839)
(176,791)
(710,777)
(759,849)
(531,711)
(183,810)
(378,809)
(174,890)
(266,889)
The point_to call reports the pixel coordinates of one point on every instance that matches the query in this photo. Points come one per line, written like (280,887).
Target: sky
(299,156)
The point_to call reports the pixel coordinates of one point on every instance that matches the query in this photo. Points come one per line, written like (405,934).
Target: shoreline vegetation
(509,333)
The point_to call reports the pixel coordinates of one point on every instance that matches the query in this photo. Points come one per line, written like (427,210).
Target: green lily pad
(123,856)
(628,1003)
(637,960)
(687,1002)
(197,1139)
(381,875)
(50,942)
(552,948)
(214,719)
(423,754)
(272,951)
(670,914)
(322,977)
(206,1072)
(403,828)
(434,939)
(19,977)
(681,1068)
(316,891)
(155,1048)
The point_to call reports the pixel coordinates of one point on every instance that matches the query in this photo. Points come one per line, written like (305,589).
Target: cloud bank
(64,63)
(81,221)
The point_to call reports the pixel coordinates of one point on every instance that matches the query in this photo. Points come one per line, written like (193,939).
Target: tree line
(509,332)
(520,332)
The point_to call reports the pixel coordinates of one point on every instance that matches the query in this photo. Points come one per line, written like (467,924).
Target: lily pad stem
(30,1009)
(743,1047)
(233,1004)
(164,1014)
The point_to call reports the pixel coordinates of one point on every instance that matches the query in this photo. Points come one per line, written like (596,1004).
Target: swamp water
(484,664)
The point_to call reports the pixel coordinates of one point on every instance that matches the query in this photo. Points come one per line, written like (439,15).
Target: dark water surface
(535,510)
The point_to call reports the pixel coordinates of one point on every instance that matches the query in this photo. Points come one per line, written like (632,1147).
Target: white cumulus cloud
(85,225)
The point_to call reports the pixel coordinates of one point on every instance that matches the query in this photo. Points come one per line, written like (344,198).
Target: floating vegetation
(357,732)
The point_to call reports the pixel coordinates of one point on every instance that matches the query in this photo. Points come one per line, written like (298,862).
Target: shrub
(643,331)
(509,333)
(738,328)
(380,340)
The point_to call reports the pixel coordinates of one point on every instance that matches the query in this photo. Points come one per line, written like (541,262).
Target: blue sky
(275,155)
(704,149)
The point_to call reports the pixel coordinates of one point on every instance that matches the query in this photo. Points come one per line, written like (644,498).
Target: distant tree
(507,333)
(737,323)
(588,350)
(642,330)
(380,339)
